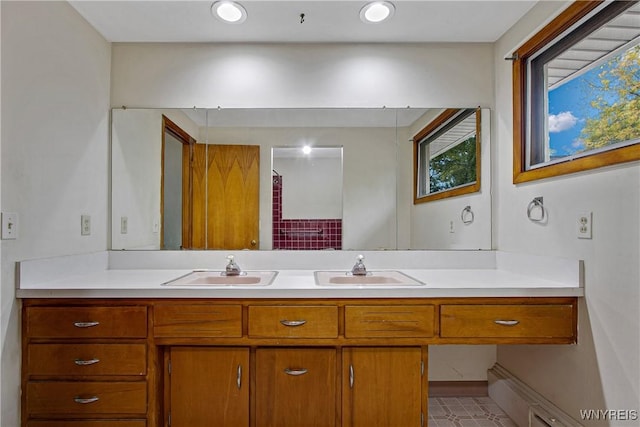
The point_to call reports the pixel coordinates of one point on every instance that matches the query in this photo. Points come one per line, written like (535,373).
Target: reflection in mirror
(448,155)
(138,138)
(155,182)
(307,197)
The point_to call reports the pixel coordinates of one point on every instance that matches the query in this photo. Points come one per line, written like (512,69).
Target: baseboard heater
(525,406)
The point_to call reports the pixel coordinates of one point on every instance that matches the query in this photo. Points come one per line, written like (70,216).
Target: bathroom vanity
(116,348)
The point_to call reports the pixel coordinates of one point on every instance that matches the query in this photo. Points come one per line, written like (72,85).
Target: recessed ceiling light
(377,11)
(229,11)
(306,149)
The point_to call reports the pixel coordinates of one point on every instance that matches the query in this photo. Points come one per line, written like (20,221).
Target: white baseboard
(525,406)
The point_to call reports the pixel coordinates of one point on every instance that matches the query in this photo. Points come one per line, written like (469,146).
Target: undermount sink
(372,278)
(220,278)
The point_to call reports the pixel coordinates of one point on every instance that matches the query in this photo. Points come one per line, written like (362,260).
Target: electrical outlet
(584,225)
(9,225)
(124,225)
(85,225)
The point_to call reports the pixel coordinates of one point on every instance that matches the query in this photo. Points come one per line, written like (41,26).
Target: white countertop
(53,278)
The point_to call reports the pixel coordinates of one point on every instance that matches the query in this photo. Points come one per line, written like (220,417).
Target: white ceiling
(326,21)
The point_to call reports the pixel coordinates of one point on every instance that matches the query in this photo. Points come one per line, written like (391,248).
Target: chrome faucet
(359,269)
(232,268)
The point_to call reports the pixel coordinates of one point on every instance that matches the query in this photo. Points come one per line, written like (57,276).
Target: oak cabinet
(369,321)
(170,362)
(85,366)
(383,386)
(296,387)
(293,321)
(507,321)
(208,386)
(88,423)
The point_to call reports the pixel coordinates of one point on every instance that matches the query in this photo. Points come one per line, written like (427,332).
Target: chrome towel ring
(536,203)
(467,215)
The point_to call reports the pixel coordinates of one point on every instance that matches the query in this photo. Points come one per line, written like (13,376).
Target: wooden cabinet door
(296,387)
(382,386)
(209,386)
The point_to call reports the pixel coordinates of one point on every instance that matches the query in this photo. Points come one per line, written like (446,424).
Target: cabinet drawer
(374,321)
(87,423)
(201,321)
(87,359)
(80,398)
(293,322)
(506,321)
(86,322)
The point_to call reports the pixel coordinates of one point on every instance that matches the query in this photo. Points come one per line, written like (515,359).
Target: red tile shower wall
(302,233)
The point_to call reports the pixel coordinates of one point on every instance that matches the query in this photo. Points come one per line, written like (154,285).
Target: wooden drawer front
(506,321)
(87,423)
(296,387)
(87,359)
(374,321)
(176,320)
(51,398)
(86,322)
(293,322)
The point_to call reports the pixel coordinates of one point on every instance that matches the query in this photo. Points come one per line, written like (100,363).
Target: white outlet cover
(584,223)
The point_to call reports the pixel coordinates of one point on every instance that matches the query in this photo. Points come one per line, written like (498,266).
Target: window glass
(448,155)
(580,91)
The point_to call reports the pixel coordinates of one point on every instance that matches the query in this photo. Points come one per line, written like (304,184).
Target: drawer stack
(85,366)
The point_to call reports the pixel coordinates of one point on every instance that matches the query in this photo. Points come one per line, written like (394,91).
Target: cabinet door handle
(239,377)
(85,400)
(293,322)
(506,322)
(351,376)
(81,362)
(85,324)
(295,372)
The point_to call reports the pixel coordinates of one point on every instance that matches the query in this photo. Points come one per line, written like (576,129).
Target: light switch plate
(9,225)
(85,225)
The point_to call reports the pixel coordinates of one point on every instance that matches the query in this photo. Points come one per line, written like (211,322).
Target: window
(577,92)
(447,156)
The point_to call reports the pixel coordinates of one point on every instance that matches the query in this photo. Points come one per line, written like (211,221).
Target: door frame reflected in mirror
(378,179)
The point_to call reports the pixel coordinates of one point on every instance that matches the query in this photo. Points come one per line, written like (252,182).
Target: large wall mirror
(275,179)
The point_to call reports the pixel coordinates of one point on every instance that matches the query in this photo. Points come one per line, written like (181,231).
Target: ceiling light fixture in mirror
(377,176)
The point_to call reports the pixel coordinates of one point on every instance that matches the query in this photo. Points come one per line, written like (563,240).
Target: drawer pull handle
(81,362)
(506,322)
(85,400)
(239,377)
(85,324)
(351,376)
(295,372)
(293,322)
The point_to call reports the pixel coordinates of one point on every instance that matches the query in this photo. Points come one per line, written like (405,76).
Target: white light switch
(124,225)
(9,225)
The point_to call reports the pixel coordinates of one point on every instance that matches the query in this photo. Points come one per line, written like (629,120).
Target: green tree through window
(617,102)
(454,167)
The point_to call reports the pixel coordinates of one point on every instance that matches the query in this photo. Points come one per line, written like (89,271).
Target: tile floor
(466,412)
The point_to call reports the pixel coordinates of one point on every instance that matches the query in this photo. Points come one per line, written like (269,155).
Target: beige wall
(603,370)
(55,151)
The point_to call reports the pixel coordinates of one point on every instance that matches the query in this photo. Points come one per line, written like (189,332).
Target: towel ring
(535,203)
(464,217)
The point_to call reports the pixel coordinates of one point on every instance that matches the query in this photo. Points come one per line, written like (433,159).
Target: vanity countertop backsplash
(145,274)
